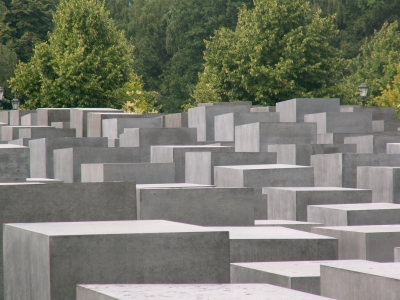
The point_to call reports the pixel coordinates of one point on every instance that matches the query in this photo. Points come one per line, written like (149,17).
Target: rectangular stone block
(375,143)
(257,108)
(45,132)
(68,161)
(29,120)
(385,126)
(297,225)
(47,260)
(61,125)
(378,113)
(197,205)
(5,116)
(370,242)
(15,116)
(42,163)
(333,138)
(354,214)
(300,154)
(9,133)
(202,117)
(393,148)
(176,120)
(224,125)
(294,110)
(142,173)
(256,137)
(337,122)
(290,203)
(112,128)
(20,142)
(46,116)
(14,161)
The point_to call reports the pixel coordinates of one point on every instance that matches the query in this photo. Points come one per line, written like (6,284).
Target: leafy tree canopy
(8,62)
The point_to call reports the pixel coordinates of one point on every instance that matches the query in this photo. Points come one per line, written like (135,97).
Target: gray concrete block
(46,116)
(297,225)
(176,120)
(256,137)
(142,173)
(256,244)
(375,143)
(44,180)
(224,125)
(393,148)
(354,214)
(45,132)
(197,205)
(9,133)
(333,138)
(259,176)
(199,166)
(290,203)
(340,169)
(29,120)
(202,117)
(263,109)
(14,161)
(15,116)
(294,110)
(20,142)
(300,154)
(47,260)
(67,162)
(190,292)
(397,254)
(61,125)
(337,122)
(378,113)
(176,154)
(370,242)
(385,126)
(113,143)
(41,153)
(5,116)
(362,280)
(112,128)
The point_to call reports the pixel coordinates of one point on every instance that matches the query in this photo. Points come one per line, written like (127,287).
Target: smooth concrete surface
(48,260)
(112,128)
(29,120)
(397,254)
(393,148)
(297,225)
(385,126)
(68,161)
(354,214)
(61,125)
(224,125)
(378,113)
(46,132)
(370,242)
(290,203)
(176,120)
(176,154)
(46,116)
(334,138)
(294,110)
(375,143)
(15,116)
(41,152)
(256,108)
(190,292)
(14,161)
(5,117)
(197,205)
(20,142)
(256,137)
(9,133)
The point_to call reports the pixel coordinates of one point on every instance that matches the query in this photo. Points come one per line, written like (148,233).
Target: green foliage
(8,62)
(85,60)
(280,50)
(391,94)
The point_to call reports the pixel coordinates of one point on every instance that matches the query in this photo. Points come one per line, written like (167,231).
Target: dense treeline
(265,51)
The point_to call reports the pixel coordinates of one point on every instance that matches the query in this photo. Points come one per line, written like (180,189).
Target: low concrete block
(378,113)
(39,264)
(15,116)
(46,116)
(112,128)
(375,143)
(14,161)
(20,142)
(10,133)
(176,120)
(61,125)
(297,225)
(385,126)
(29,120)
(5,117)
(393,148)
(263,109)
(45,132)
(333,138)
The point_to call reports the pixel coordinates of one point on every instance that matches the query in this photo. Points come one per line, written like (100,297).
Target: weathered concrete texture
(113,143)
(46,116)
(224,125)
(263,109)
(41,153)
(199,166)
(255,244)
(112,128)
(295,109)
(259,176)
(385,126)
(5,116)
(20,142)
(333,138)
(10,133)
(336,122)
(147,137)
(176,154)
(14,161)
(375,143)
(45,132)
(378,113)
(29,120)
(340,169)
(360,280)
(61,125)
(355,214)
(190,292)
(393,148)
(142,173)
(290,203)
(176,120)
(197,205)
(15,116)
(383,181)
(300,154)
(79,118)
(257,136)
(47,260)
(297,225)
(68,161)
(397,254)
(202,117)
(370,242)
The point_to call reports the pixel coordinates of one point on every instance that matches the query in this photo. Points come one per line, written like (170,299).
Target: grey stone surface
(385,126)
(46,116)
(44,180)
(393,148)
(294,110)
(354,214)
(41,153)
(142,173)
(375,143)
(224,125)
(47,260)
(290,203)
(378,113)
(29,120)
(67,162)
(340,169)
(15,116)
(333,138)
(397,254)
(20,142)
(176,120)
(176,154)
(297,225)
(202,117)
(337,122)
(5,116)
(256,137)
(191,292)
(9,133)
(370,242)
(45,132)
(112,128)
(263,109)
(61,125)
(113,143)
(14,161)
(197,205)
(300,154)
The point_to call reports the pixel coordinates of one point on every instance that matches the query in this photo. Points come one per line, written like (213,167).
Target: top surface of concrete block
(360,206)
(312,189)
(365,228)
(390,270)
(10,146)
(282,222)
(263,167)
(171,185)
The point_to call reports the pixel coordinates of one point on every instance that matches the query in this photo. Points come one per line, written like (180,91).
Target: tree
(391,94)
(280,50)
(8,62)
(82,65)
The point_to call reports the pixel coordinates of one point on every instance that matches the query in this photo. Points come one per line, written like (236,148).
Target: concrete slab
(5,117)
(385,126)
(9,133)
(61,125)
(29,120)
(378,113)
(297,225)
(45,132)
(333,138)
(176,120)
(113,127)
(375,143)
(46,116)
(257,108)
(20,142)
(393,148)
(15,116)
(14,161)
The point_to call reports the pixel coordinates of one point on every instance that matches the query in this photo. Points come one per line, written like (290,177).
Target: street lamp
(15,102)
(363,89)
